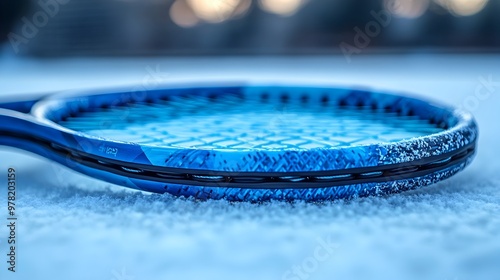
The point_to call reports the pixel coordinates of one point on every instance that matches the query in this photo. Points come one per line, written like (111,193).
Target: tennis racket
(247,142)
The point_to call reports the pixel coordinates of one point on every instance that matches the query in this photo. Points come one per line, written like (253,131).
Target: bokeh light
(214,10)
(182,15)
(242,8)
(407,8)
(463,7)
(281,7)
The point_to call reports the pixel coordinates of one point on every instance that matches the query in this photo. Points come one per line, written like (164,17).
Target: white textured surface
(73,227)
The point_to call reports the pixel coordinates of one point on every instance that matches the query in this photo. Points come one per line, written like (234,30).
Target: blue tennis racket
(247,143)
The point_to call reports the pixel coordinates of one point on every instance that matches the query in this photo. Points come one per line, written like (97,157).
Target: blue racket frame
(253,174)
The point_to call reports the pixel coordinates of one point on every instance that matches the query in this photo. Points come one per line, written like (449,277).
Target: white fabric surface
(74,227)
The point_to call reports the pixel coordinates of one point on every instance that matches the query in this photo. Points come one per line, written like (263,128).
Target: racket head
(220,135)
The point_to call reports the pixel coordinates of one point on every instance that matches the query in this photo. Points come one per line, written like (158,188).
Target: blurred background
(207,27)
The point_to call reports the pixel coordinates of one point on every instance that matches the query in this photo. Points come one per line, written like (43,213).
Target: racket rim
(465,123)
(277,180)
(41,107)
